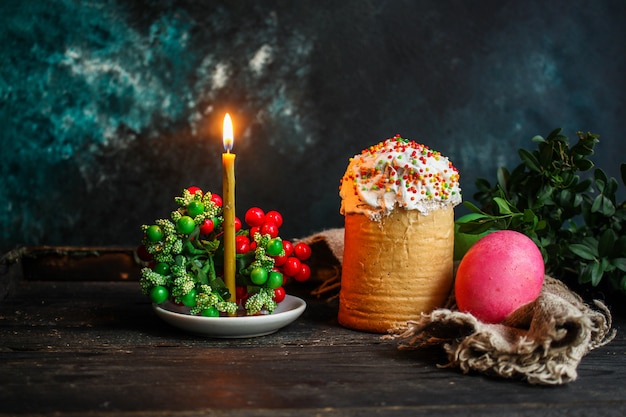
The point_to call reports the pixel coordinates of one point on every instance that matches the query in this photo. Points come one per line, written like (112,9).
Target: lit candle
(228,194)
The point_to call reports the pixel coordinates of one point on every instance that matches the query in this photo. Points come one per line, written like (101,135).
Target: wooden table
(95,348)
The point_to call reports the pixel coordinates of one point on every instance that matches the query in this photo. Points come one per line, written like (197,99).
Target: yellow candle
(228,197)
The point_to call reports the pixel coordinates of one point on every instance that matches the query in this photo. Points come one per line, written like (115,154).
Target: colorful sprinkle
(409,170)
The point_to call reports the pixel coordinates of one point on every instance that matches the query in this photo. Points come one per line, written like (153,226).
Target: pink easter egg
(501,272)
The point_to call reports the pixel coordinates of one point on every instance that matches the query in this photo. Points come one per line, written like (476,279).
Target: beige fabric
(542,342)
(332,238)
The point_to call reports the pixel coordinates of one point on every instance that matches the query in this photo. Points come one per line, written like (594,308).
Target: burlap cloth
(542,342)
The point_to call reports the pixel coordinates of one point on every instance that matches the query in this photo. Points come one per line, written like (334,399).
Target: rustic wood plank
(97,347)
(54,263)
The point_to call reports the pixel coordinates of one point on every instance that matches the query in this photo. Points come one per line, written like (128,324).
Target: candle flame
(228,133)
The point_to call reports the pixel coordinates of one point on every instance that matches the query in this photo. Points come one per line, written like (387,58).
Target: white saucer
(232,327)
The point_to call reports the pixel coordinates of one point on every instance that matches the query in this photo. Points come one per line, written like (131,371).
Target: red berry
(255,217)
(193,189)
(242,244)
(241,292)
(269,228)
(275,217)
(217,200)
(207,226)
(279,294)
(143,253)
(302,251)
(237,224)
(253,231)
(279,260)
(303,274)
(291,266)
(287,247)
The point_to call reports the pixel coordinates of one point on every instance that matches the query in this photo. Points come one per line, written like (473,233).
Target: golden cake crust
(396,268)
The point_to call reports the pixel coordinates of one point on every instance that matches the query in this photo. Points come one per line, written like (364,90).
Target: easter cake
(398,200)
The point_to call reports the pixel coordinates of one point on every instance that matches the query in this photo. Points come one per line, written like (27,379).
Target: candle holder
(184,267)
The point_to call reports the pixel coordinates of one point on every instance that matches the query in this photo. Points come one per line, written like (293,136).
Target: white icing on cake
(398,173)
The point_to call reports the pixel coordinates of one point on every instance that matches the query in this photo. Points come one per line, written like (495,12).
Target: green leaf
(565,198)
(541,224)
(530,217)
(597,202)
(473,207)
(244,260)
(606,243)
(610,189)
(502,175)
(554,134)
(482,184)
(569,179)
(583,164)
(538,138)
(529,160)
(518,176)
(503,206)
(596,274)
(583,150)
(210,245)
(607,266)
(476,227)
(545,155)
(600,179)
(585,144)
(584,251)
(202,276)
(473,217)
(578,223)
(544,196)
(585,274)
(582,186)
(209,269)
(620,263)
(603,205)
(516,222)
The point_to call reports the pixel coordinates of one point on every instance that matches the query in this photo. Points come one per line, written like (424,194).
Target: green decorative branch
(575,220)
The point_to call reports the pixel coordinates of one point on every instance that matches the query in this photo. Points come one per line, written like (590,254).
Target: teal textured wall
(110,108)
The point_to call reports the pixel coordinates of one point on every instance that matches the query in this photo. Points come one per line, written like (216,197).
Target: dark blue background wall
(109,108)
